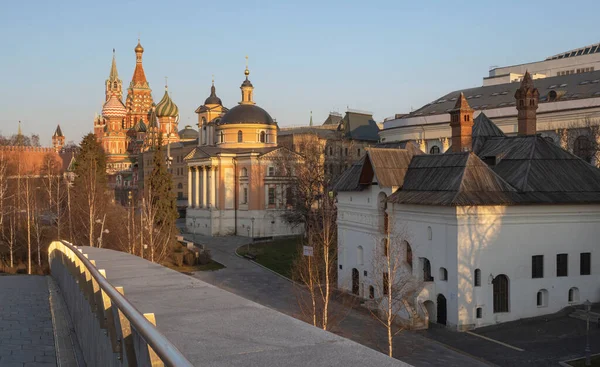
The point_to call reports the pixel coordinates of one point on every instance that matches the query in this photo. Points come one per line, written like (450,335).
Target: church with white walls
(496,229)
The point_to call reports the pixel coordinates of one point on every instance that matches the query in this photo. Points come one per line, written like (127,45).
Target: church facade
(236,182)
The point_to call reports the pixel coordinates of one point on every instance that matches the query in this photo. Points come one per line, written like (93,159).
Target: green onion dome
(166,107)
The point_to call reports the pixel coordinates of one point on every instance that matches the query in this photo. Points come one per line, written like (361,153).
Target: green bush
(178,258)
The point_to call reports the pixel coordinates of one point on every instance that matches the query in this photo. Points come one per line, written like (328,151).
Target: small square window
(271,171)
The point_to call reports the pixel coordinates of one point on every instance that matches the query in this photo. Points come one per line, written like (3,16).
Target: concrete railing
(110,330)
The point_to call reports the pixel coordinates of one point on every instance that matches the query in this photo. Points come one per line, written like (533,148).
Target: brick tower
(58,139)
(114,85)
(461,122)
(527,103)
(139,94)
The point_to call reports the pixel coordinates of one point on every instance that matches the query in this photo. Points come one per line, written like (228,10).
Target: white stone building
(497,229)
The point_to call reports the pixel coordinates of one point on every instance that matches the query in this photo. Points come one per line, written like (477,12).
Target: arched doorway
(430,307)
(501,293)
(355,281)
(441,309)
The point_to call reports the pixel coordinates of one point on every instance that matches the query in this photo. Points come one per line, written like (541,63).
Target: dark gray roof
(213,99)
(517,170)
(586,50)
(567,87)
(333,119)
(389,166)
(483,128)
(247,113)
(58,132)
(359,126)
(188,133)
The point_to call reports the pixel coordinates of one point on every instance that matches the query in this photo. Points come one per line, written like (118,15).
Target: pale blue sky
(380,56)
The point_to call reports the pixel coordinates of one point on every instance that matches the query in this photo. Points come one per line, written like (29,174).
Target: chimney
(461,122)
(527,103)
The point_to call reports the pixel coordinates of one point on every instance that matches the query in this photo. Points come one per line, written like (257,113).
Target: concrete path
(253,282)
(26,333)
(212,327)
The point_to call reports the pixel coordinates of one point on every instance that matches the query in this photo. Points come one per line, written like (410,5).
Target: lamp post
(102,230)
(253,227)
(588,307)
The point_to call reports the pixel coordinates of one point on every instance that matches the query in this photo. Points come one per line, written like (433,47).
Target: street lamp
(102,230)
(588,307)
(253,227)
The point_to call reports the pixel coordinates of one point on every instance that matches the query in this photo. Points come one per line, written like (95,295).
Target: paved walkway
(251,281)
(26,334)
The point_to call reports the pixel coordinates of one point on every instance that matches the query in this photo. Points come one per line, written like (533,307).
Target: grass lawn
(581,362)
(186,269)
(277,255)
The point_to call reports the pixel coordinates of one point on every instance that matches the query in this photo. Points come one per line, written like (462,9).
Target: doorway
(441,309)
(355,281)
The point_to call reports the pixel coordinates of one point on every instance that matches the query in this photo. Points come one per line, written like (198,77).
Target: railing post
(126,337)
(154,360)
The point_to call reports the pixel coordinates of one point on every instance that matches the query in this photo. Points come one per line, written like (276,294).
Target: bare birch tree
(396,288)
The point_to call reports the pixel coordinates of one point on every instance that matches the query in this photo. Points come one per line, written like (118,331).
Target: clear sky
(380,56)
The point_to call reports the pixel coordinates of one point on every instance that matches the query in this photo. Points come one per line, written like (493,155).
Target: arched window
(573,295)
(360,255)
(371,292)
(552,96)
(244,172)
(409,255)
(583,148)
(262,136)
(221,137)
(477,278)
(443,274)
(501,293)
(240,136)
(541,298)
(429,233)
(426,270)
(434,150)
(180,185)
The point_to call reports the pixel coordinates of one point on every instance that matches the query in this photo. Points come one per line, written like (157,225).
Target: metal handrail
(167,352)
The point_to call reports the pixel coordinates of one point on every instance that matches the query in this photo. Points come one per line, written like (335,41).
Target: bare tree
(398,287)
(28,201)
(157,236)
(317,273)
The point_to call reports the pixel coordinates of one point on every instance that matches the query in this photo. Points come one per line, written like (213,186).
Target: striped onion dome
(166,107)
(114,108)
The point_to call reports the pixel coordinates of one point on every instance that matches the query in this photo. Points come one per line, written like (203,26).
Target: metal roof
(586,50)
(566,87)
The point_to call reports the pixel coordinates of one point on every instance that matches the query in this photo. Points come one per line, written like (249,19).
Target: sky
(386,57)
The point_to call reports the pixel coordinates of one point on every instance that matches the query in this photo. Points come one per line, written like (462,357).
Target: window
(479,312)
(426,270)
(585,263)
(500,283)
(221,137)
(434,150)
(562,265)
(429,233)
(583,148)
(180,185)
(271,196)
(573,295)
(262,136)
(542,298)
(477,276)
(360,255)
(244,172)
(271,171)
(179,195)
(537,266)
(240,136)
(409,255)
(346,151)
(245,196)
(330,151)
(289,196)
(443,274)
(386,281)
(371,292)
(358,152)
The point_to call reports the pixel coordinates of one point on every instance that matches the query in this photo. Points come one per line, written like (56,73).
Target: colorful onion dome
(140,127)
(114,108)
(139,47)
(166,107)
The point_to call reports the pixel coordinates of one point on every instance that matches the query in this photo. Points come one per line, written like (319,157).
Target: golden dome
(139,47)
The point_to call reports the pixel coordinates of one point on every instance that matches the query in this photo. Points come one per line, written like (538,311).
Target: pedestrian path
(26,332)
(252,282)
